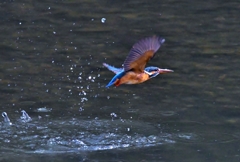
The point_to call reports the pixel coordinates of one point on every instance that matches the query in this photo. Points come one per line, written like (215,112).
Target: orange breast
(132,78)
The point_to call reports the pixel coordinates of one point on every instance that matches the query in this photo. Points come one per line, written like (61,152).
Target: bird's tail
(113,69)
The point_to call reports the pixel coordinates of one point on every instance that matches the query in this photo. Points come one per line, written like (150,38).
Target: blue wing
(141,52)
(117,76)
(113,69)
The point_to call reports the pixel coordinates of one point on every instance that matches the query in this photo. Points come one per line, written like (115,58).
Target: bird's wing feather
(141,52)
(115,78)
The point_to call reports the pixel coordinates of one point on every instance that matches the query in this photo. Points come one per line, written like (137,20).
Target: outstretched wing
(113,69)
(141,52)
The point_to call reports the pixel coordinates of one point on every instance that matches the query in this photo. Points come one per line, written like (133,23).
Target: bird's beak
(163,71)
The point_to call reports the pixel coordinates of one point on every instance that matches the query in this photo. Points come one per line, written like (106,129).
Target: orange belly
(132,78)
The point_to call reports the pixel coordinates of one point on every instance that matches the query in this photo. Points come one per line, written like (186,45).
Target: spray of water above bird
(134,69)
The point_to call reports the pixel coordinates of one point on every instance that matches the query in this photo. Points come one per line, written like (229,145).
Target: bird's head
(154,71)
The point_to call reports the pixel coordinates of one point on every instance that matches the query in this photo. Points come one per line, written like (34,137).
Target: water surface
(51,67)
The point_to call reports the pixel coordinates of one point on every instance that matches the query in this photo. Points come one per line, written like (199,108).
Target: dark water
(51,67)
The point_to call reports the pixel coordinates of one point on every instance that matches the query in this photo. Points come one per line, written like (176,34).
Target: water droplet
(83,99)
(103,20)
(113,115)
(81,109)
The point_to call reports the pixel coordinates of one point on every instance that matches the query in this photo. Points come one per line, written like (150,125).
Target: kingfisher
(133,70)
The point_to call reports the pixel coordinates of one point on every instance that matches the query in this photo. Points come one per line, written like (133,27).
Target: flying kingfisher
(134,71)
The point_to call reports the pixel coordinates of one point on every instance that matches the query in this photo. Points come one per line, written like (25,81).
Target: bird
(133,70)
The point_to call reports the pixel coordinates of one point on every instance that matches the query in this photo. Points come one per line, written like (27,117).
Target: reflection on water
(51,67)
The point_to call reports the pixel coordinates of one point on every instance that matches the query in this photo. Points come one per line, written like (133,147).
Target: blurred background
(51,67)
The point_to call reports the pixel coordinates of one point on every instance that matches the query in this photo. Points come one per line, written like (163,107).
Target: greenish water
(51,67)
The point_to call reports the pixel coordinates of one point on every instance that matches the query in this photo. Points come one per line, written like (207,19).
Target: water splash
(113,115)
(25,117)
(6,119)
(44,109)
